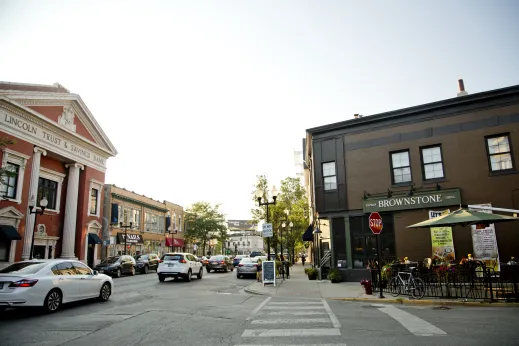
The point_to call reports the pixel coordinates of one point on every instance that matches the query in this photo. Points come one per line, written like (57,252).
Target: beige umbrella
(464,218)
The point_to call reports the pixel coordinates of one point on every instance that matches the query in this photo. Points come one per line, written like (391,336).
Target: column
(47,249)
(33,193)
(347,231)
(69,225)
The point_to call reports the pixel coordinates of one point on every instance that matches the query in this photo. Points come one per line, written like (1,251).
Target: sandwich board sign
(268,272)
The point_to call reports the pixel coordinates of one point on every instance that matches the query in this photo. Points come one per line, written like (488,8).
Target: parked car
(219,262)
(147,262)
(51,283)
(256,253)
(236,260)
(117,266)
(247,267)
(176,265)
(203,260)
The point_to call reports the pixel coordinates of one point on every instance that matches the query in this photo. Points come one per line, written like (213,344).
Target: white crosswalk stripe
(282,317)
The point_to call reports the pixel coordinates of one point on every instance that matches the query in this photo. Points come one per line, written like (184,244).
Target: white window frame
(329,180)
(58,178)
(95,184)
(16,158)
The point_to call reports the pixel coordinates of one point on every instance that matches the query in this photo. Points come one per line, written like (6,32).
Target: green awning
(9,233)
(94,239)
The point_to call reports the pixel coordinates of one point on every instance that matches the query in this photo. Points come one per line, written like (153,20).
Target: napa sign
(419,200)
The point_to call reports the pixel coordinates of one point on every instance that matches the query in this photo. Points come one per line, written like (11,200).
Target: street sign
(375,223)
(267,230)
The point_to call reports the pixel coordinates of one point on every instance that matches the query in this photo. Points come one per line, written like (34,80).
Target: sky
(200,97)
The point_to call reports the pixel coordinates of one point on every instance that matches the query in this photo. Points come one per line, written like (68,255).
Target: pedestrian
(258,273)
(303,259)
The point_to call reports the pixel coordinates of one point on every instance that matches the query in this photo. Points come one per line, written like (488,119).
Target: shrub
(312,273)
(335,275)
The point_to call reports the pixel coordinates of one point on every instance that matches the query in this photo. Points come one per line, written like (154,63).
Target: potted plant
(335,276)
(312,273)
(368,288)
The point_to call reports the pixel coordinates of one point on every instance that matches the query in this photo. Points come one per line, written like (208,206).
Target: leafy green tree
(204,222)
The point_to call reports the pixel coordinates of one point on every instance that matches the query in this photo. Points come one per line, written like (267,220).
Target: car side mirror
(94,272)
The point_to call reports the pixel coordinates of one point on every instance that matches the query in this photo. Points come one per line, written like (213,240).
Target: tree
(204,222)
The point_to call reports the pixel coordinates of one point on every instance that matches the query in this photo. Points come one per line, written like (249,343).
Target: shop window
(400,167)
(329,176)
(432,162)
(4,250)
(364,243)
(499,153)
(10,181)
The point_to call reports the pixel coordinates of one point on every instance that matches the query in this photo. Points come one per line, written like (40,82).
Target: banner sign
(130,238)
(419,200)
(484,242)
(441,238)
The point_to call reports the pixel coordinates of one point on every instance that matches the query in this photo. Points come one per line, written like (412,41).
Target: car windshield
(110,260)
(24,268)
(141,257)
(217,258)
(249,260)
(172,257)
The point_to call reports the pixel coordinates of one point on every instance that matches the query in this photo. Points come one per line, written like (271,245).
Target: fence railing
(474,281)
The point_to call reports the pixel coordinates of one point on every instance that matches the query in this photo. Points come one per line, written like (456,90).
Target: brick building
(59,154)
(409,162)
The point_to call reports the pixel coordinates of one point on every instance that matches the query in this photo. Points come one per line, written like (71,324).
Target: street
(216,311)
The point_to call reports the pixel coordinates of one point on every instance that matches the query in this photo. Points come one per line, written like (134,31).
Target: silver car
(247,266)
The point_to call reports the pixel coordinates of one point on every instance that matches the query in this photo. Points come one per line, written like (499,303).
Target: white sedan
(51,283)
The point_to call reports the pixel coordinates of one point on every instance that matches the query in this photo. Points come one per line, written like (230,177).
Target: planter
(335,281)
(312,277)
(368,290)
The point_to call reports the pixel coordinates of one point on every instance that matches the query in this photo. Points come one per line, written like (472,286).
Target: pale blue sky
(199,97)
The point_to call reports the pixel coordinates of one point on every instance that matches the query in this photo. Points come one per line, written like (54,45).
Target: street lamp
(125,227)
(43,205)
(260,196)
(283,225)
(318,232)
(170,231)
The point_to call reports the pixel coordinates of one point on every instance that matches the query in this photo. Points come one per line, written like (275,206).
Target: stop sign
(375,223)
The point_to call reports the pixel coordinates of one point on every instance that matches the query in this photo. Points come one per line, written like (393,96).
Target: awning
(309,235)
(94,239)
(9,233)
(174,242)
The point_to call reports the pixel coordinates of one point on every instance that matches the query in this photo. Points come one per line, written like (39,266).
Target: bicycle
(413,284)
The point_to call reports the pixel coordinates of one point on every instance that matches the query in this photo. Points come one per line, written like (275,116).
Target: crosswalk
(299,321)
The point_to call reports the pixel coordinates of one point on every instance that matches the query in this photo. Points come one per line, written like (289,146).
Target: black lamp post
(259,196)
(43,205)
(125,227)
(318,232)
(283,225)
(170,230)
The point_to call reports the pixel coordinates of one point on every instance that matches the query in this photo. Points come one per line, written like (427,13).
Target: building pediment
(10,213)
(94,224)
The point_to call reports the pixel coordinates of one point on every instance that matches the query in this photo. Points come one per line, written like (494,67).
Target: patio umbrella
(464,218)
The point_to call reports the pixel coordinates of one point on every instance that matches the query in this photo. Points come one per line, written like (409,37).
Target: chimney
(356,116)
(461,87)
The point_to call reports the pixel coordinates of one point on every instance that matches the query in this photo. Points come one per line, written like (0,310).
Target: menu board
(268,272)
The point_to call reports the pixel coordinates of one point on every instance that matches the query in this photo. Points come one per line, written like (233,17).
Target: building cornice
(136,201)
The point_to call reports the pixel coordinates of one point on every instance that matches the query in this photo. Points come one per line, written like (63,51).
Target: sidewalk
(299,286)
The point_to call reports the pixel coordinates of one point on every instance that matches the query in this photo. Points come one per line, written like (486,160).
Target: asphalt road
(216,311)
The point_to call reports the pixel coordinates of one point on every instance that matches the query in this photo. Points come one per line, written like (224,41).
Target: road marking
(295,303)
(293,345)
(414,324)
(258,308)
(291,321)
(335,321)
(296,313)
(265,333)
(268,307)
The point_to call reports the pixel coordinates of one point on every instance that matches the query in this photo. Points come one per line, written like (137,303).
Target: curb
(427,302)
(248,290)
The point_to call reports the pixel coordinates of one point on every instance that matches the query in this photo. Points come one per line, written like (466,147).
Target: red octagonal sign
(375,223)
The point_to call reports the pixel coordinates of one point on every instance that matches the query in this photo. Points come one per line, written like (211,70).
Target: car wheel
(161,278)
(132,273)
(208,270)
(232,269)
(145,270)
(118,275)
(105,293)
(53,301)
(200,273)
(225,270)
(188,277)
(238,275)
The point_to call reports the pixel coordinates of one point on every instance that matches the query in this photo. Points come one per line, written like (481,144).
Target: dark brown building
(407,162)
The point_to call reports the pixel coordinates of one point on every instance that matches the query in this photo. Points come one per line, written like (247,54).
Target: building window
(49,189)
(401,167)
(499,153)
(147,221)
(10,182)
(11,187)
(330,179)
(93,201)
(432,163)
